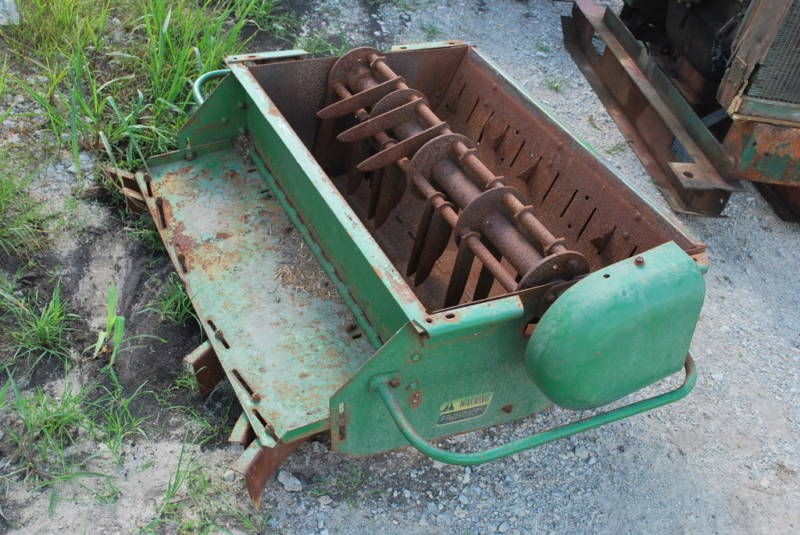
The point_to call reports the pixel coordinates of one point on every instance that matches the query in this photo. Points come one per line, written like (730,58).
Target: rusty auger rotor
(490,219)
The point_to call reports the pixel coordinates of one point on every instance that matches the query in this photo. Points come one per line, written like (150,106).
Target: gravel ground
(723,460)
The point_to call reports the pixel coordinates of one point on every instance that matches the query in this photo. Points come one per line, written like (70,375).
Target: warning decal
(461,409)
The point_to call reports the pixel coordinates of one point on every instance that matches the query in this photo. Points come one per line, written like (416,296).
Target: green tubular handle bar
(381,384)
(202,79)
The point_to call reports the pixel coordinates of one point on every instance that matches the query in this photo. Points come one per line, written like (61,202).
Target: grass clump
(21,221)
(48,27)
(115,420)
(123,96)
(48,435)
(39,330)
(556,84)
(42,427)
(617,148)
(174,303)
(321,45)
(196,502)
(184,41)
(431,31)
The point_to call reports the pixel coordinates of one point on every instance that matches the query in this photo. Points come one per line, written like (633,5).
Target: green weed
(174,304)
(270,17)
(183,41)
(43,427)
(593,123)
(39,330)
(115,420)
(143,230)
(129,98)
(617,148)
(347,484)
(430,30)
(321,45)
(109,341)
(197,503)
(187,381)
(45,433)
(21,220)
(556,83)
(48,28)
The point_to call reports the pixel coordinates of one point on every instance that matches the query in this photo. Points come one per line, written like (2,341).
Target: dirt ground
(724,460)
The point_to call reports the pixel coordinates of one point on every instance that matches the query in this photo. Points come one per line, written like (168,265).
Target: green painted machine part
(617,330)
(312,315)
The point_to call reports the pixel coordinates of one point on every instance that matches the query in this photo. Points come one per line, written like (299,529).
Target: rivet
(639,261)
(416,357)
(394,383)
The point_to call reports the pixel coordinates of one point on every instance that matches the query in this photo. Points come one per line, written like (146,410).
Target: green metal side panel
(465,370)
(222,116)
(619,329)
(374,282)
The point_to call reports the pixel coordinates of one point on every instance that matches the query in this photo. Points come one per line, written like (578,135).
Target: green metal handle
(202,79)
(381,384)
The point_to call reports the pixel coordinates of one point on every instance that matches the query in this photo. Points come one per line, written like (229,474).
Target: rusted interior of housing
(469,188)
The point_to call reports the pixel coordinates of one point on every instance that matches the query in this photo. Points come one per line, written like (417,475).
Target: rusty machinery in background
(707,91)
(469,263)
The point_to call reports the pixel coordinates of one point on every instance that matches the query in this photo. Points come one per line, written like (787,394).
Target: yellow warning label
(464,408)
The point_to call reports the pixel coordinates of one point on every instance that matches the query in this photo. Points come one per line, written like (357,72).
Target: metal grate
(778,76)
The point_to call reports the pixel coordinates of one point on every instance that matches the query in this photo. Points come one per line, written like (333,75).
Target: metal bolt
(394,383)
(639,261)
(416,357)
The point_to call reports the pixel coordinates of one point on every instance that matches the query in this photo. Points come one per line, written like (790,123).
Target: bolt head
(639,261)
(394,383)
